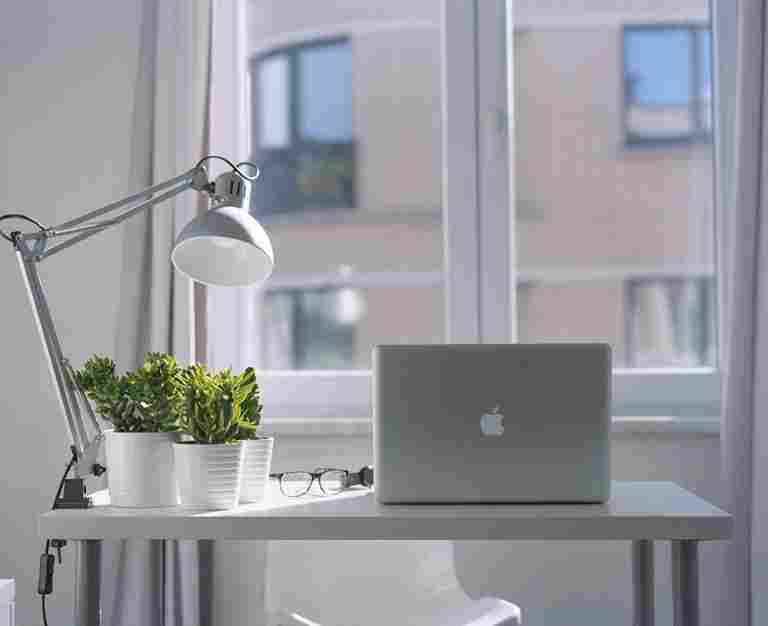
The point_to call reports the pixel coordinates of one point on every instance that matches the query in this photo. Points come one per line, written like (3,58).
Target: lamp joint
(200,181)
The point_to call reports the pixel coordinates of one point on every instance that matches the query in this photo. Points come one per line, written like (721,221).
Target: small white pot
(140,469)
(209,474)
(256,464)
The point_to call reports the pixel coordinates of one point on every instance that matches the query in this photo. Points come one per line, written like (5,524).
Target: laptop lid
(492,423)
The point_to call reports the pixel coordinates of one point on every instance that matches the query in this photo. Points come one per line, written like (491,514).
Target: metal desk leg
(685,582)
(87,583)
(642,582)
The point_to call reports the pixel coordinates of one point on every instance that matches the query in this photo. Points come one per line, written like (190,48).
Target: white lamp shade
(224,246)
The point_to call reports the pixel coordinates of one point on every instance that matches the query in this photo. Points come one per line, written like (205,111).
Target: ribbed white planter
(140,469)
(256,464)
(209,474)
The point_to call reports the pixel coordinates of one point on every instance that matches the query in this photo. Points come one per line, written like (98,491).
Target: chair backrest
(7,601)
(337,582)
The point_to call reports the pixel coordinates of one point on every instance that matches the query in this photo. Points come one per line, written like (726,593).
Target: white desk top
(636,510)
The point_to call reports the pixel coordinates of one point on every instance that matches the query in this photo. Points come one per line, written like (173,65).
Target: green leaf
(219,407)
(149,399)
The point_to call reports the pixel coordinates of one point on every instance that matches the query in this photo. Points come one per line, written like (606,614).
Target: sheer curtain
(162,583)
(743,244)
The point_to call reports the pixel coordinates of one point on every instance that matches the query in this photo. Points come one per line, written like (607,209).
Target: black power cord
(47,561)
(10,237)
(45,613)
(235,167)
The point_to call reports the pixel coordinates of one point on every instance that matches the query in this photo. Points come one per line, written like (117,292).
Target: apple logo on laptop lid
(492,422)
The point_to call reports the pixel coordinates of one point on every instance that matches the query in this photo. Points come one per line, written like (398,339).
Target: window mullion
(695,95)
(460,172)
(496,175)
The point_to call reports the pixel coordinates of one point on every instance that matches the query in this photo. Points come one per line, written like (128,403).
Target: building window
(667,83)
(670,321)
(311,329)
(301,98)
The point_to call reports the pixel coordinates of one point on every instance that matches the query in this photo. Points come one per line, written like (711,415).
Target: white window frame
(479,274)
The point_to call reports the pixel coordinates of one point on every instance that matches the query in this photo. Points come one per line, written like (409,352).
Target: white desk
(639,512)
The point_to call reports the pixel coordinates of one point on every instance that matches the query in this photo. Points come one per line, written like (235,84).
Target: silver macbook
(487,423)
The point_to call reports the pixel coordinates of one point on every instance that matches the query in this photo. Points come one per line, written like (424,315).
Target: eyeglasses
(330,480)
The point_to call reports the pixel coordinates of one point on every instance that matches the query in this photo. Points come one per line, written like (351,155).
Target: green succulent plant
(220,407)
(147,400)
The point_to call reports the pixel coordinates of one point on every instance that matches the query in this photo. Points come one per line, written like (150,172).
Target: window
(670,321)
(467,227)
(667,83)
(311,329)
(303,127)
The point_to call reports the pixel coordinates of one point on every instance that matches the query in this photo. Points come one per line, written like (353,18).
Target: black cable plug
(47,560)
(45,576)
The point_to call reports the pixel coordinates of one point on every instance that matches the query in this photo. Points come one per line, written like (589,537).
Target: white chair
(375,583)
(7,602)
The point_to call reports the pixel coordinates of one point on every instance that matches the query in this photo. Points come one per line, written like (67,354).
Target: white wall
(68,89)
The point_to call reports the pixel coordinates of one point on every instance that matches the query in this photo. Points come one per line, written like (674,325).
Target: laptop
(525,423)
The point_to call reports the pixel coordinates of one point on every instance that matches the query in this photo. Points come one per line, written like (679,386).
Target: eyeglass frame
(363,477)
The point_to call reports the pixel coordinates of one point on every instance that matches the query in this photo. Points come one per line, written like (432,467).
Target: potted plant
(220,412)
(143,407)
(257,451)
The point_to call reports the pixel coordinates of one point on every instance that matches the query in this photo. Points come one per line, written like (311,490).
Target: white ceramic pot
(208,474)
(257,461)
(140,469)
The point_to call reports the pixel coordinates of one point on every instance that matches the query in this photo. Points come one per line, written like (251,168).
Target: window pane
(658,65)
(614,243)
(658,80)
(671,322)
(354,207)
(336,328)
(314,166)
(311,328)
(325,93)
(273,102)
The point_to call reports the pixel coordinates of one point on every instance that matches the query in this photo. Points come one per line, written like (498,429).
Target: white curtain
(162,583)
(170,136)
(742,51)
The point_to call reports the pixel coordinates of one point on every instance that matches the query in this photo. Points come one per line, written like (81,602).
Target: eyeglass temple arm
(363,477)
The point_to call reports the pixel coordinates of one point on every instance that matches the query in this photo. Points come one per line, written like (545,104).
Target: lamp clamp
(227,189)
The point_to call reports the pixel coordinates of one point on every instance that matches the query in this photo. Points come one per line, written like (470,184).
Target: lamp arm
(53,353)
(82,233)
(85,433)
(142,195)
(77,230)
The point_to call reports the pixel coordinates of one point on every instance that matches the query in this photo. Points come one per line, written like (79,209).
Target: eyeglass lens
(333,481)
(295,484)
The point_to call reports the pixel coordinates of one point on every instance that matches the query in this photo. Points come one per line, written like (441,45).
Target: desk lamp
(223,246)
